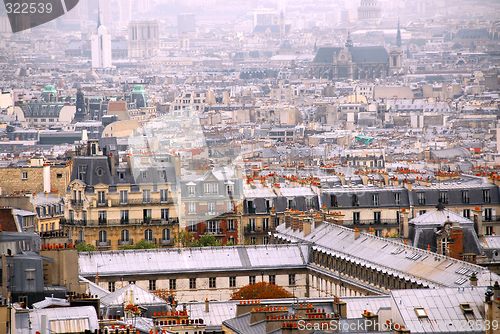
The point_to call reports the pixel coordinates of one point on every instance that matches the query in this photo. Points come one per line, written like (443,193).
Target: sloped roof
(51,301)
(491,242)
(369,54)
(450,153)
(184,260)
(439,217)
(325,54)
(382,254)
(442,307)
(94,289)
(58,319)
(140,297)
(360,54)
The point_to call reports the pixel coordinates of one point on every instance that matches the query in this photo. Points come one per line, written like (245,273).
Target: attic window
(466,308)
(121,175)
(420,311)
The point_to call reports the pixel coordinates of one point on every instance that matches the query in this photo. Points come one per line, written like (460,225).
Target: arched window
(103,236)
(148,235)
(125,235)
(165,234)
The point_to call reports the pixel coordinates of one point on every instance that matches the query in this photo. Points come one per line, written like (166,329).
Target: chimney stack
(207,305)
(46,178)
(473,279)
(356,233)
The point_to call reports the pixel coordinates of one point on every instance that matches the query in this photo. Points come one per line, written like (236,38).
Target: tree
(208,240)
(184,239)
(166,294)
(261,290)
(143,244)
(82,247)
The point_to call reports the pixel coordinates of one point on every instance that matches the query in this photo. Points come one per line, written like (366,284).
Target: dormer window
(191,191)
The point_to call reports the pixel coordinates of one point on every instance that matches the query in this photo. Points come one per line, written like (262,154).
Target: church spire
(348,42)
(398,36)
(98,16)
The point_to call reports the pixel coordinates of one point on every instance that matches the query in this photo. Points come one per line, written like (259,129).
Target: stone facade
(30,178)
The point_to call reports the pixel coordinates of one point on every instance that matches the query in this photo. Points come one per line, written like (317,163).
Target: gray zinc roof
(184,260)
(417,265)
(442,307)
(132,294)
(65,319)
(439,217)
(491,242)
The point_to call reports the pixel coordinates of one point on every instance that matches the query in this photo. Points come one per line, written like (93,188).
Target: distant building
(369,11)
(125,11)
(143,39)
(351,62)
(101,48)
(186,23)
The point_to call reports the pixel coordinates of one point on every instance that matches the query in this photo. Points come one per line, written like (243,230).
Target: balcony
(117,222)
(54,234)
(491,218)
(103,244)
(213,231)
(76,204)
(152,241)
(128,242)
(371,222)
(252,229)
(167,242)
(140,202)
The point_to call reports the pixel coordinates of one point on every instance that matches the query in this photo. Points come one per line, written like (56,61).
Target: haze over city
(205,166)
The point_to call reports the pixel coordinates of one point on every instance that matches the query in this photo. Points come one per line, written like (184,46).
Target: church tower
(398,36)
(101,46)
